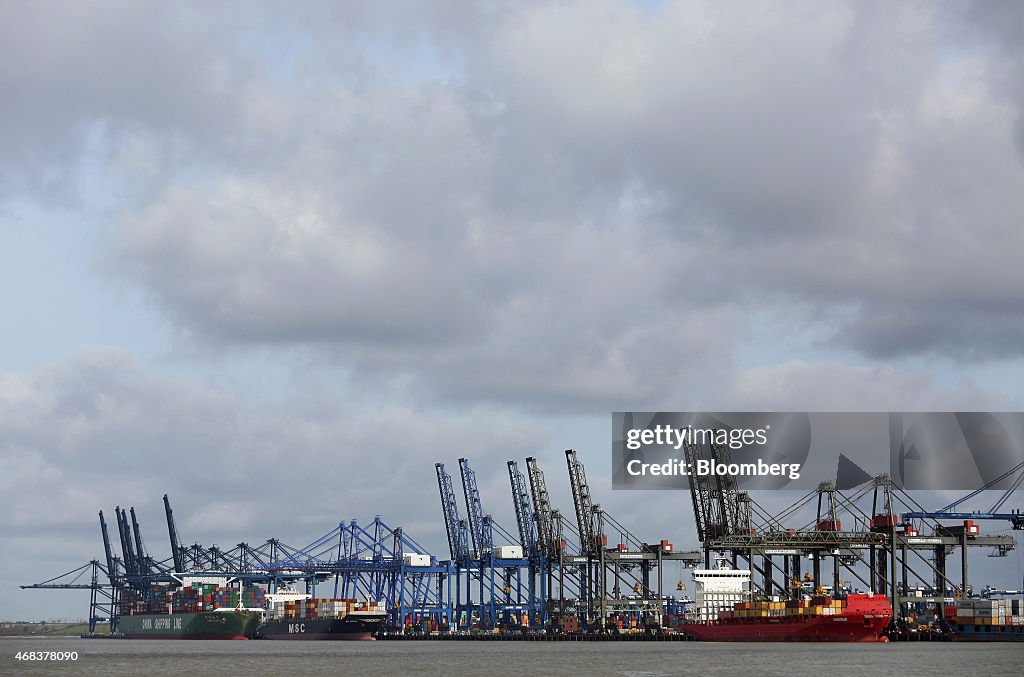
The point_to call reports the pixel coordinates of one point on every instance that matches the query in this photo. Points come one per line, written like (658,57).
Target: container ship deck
(296,616)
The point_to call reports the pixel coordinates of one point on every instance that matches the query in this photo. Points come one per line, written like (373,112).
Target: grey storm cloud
(530,200)
(831,386)
(100,419)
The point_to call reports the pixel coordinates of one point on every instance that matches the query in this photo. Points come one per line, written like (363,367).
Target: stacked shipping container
(162,598)
(821,605)
(321,608)
(990,612)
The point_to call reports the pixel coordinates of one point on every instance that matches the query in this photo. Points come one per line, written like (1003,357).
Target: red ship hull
(809,629)
(861,621)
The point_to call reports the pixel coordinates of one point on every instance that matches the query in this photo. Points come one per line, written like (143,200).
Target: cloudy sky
(276,260)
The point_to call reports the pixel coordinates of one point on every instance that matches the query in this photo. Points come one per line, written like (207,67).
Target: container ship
(724,613)
(858,618)
(198,611)
(987,620)
(297,616)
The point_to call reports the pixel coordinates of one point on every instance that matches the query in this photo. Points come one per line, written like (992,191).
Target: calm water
(148,657)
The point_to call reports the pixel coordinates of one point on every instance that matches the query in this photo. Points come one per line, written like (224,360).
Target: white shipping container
(508,551)
(413,559)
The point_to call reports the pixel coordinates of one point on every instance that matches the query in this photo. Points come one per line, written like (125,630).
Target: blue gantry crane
(482,553)
(455,527)
(481,537)
(1015,517)
(500,580)
(535,556)
(524,513)
(494,578)
(374,562)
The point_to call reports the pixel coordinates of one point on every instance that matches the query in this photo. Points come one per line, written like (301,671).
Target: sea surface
(441,658)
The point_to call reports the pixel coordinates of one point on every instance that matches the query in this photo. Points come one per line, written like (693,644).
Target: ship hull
(840,628)
(858,618)
(345,628)
(985,633)
(207,625)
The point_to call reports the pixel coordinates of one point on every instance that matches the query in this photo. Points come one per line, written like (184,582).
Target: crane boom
(450,509)
(111,572)
(479,530)
(524,515)
(128,555)
(589,536)
(179,564)
(542,510)
(140,554)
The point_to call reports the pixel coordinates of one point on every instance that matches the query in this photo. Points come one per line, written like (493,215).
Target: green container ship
(220,624)
(200,609)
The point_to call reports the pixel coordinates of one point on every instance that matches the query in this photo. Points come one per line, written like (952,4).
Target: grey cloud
(1005,20)
(73,75)
(834,386)
(863,163)
(889,331)
(478,219)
